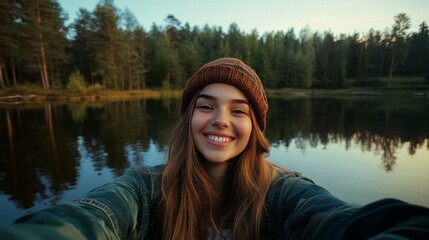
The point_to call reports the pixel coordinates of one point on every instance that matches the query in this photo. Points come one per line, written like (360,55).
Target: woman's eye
(238,112)
(205,107)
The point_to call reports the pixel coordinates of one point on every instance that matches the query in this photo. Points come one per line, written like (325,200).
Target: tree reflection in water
(376,124)
(43,146)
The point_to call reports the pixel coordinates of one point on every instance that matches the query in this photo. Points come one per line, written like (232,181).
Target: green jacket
(295,208)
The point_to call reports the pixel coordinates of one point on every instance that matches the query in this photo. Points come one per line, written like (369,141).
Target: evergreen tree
(417,60)
(189,52)
(398,40)
(251,46)
(235,41)
(263,64)
(339,62)
(83,46)
(209,41)
(140,48)
(269,76)
(133,48)
(306,65)
(287,60)
(8,43)
(42,40)
(159,53)
(277,59)
(175,41)
(224,49)
(107,41)
(376,51)
(355,56)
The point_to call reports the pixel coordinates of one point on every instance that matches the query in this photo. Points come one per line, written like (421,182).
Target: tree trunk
(392,62)
(359,62)
(12,62)
(130,81)
(326,65)
(2,85)
(112,59)
(43,65)
(381,65)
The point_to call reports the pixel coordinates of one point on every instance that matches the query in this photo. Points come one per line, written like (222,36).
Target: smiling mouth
(219,139)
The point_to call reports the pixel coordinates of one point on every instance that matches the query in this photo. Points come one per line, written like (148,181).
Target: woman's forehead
(221,90)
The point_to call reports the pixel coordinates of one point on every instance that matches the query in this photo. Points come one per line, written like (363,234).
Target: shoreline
(16,96)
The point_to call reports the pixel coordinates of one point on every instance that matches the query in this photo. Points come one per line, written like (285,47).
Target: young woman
(217,184)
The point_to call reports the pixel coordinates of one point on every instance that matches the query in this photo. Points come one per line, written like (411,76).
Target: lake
(359,148)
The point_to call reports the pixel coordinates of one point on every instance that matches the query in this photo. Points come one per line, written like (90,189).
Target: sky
(336,16)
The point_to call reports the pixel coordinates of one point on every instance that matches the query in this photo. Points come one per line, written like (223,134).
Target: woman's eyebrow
(209,97)
(213,98)
(240,101)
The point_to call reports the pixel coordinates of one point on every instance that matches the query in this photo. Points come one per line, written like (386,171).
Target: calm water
(361,149)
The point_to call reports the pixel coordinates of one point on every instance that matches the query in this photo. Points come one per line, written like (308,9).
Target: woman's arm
(303,210)
(117,210)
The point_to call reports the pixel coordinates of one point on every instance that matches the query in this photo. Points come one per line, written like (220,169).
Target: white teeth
(219,139)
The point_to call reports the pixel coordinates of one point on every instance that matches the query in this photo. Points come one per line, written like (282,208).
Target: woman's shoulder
(150,177)
(290,184)
(284,174)
(148,170)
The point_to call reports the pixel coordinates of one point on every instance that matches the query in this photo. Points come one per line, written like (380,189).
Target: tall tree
(175,39)
(134,51)
(107,42)
(42,38)
(235,41)
(58,55)
(325,51)
(159,54)
(305,79)
(398,40)
(8,44)
(287,59)
(140,50)
(417,60)
(224,49)
(374,57)
(278,58)
(355,56)
(83,46)
(262,63)
(340,62)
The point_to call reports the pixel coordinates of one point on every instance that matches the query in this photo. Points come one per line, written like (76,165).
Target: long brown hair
(189,205)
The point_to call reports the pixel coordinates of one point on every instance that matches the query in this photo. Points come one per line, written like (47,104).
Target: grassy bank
(399,86)
(32,93)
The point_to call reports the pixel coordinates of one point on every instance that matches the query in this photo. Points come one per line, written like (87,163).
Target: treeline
(109,47)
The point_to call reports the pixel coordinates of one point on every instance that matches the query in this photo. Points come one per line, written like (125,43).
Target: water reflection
(376,124)
(46,150)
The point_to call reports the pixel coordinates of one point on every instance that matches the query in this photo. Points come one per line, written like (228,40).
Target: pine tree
(42,39)
(107,42)
(8,43)
(83,46)
(417,59)
(398,39)
(140,50)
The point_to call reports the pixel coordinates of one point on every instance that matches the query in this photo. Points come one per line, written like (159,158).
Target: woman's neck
(218,172)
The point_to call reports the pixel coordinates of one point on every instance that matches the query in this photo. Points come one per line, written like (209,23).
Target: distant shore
(405,87)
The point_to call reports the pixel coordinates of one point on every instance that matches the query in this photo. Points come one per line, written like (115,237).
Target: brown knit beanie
(234,72)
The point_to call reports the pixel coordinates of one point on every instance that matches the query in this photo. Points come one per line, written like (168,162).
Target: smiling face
(221,123)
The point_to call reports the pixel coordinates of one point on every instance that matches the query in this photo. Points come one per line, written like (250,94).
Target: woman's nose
(221,119)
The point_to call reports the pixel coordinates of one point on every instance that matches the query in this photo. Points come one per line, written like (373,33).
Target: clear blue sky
(337,16)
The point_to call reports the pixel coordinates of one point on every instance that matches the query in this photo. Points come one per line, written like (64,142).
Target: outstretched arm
(117,210)
(301,209)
